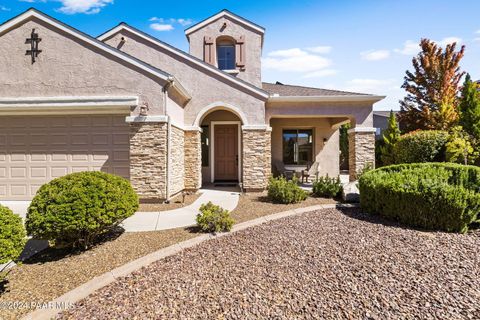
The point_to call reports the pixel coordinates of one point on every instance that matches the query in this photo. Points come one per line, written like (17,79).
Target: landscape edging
(107,278)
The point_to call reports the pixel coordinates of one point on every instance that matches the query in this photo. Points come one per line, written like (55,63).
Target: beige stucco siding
(253,45)
(69,67)
(359,112)
(326,154)
(204,86)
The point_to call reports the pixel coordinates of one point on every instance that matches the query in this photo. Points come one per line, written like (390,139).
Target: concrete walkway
(181,217)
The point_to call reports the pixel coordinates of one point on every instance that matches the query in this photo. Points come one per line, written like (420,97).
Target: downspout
(169,132)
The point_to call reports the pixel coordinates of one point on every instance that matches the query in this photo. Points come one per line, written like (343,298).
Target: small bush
(12,235)
(327,187)
(213,218)
(77,208)
(421,146)
(438,196)
(280,190)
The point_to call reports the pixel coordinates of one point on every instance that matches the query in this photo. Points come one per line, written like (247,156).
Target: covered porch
(305,133)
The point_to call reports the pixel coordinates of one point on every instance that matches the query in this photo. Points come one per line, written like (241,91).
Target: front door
(226,152)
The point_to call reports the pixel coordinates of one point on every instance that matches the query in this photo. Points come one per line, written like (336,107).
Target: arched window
(226,54)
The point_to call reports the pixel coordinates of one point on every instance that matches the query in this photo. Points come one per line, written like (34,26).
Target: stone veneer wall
(193,160)
(177,157)
(361,150)
(148,159)
(256,159)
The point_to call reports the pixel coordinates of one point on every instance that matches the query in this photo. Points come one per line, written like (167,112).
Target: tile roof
(285,90)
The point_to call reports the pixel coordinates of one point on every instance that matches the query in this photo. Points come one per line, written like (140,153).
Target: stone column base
(193,160)
(148,159)
(256,160)
(361,150)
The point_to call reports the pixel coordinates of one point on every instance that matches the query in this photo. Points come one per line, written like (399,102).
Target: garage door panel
(36,149)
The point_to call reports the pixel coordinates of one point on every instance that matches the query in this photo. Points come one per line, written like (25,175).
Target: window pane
(289,141)
(205,146)
(226,57)
(305,146)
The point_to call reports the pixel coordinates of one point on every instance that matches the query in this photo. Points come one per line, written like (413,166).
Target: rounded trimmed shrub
(213,218)
(438,196)
(12,235)
(281,190)
(421,146)
(78,207)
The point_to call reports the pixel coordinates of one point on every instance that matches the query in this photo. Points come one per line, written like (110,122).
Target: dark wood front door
(226,152)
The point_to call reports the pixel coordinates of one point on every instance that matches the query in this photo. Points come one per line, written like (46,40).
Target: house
(132,105)
(380,122)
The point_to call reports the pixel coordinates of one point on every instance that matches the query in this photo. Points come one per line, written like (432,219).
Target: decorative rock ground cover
(324,264)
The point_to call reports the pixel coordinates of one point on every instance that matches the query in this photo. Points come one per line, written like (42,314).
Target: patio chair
(312,169)
(280,170)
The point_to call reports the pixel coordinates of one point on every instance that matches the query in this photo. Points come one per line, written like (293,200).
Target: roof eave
(218,15)
(123,26)
(343,98)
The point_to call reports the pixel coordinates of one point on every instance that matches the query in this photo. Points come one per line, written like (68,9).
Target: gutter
(174,83)
(169,132)
(344,98)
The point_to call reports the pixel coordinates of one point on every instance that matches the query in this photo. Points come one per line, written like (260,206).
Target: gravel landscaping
(53,272)
(175,203)
(56,271)
(324,264)
(254,205)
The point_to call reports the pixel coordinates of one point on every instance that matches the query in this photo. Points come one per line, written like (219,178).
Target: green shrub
(12,235)
(213,218)
(439,196)
(327,187)
(280,190)
(77,208)
(421,146)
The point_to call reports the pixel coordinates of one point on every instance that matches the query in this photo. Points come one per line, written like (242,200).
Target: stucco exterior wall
(326,154)
(175,108)
(177,161)
(360,113)
(253,45)
(68,67)
(204,86)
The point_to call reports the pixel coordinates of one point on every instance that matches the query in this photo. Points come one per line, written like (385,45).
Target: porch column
(148,156)
(256,159)
(361,144)
(193,158)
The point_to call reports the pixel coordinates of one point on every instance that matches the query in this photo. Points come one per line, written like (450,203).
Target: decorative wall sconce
(144,109)
(33,41)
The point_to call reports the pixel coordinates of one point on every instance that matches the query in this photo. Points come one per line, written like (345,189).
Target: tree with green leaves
(432,88)
(390,137)
(470,108)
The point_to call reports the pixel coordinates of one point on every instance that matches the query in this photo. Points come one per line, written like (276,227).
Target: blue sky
(363,46)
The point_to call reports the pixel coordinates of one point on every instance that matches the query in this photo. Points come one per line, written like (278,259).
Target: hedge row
(439,196)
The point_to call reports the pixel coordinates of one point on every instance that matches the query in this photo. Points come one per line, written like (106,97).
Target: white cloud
(366,85)
(83,6)
(295,60)
(409,48)
(449,40)
(320,49)
(181,21)
(321,73)
(161,27)
(375,55)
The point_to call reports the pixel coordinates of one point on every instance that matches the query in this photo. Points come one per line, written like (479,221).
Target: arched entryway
(221,142)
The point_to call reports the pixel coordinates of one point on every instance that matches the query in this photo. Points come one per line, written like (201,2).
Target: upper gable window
(226,55)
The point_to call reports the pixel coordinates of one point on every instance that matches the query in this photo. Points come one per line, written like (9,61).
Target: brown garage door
(37,149)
